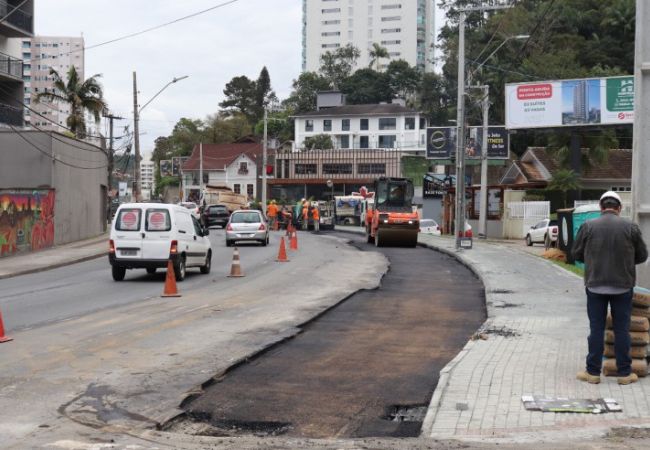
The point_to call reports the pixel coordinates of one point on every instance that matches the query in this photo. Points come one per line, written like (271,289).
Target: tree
(305,90)
(433,99)
(403,79)
(279,126)
(336,66)
(319,142)
(241,96)
(185,134)
(264,95)
(80,95)
(564,180)
(221,128)
(376,53)
(366,86)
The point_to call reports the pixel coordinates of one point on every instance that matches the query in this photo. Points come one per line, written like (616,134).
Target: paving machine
(391,219)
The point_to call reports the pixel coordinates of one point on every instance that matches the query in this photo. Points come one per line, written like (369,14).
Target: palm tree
(376,53)
(80,95)
(564,180)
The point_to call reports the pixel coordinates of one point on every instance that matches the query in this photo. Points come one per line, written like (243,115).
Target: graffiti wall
(26,220)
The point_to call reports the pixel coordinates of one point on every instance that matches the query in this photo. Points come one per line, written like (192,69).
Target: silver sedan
(247,225)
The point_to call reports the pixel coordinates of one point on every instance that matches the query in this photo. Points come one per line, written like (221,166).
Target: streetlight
(136,119)
(273,107)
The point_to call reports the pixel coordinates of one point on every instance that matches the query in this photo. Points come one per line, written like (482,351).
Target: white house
(233,165)
(385,125)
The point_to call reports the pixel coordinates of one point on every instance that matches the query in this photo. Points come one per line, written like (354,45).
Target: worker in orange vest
(315,215)
(305,215)
(272,213)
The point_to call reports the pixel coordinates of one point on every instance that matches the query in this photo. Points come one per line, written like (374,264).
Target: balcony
(11,68)
(20,23)
(11,116)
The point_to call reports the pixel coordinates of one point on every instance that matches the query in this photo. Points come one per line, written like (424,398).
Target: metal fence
(529,213)
(11,66)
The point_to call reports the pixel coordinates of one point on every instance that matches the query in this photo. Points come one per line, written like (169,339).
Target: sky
(212,48)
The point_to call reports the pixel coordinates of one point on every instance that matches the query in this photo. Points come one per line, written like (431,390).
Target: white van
(147,235)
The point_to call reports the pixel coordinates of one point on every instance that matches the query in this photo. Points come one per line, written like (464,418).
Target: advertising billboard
(441,142)
(165,167)
(177,164)
(567,103)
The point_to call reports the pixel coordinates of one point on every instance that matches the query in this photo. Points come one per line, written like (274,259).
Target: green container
(580,215)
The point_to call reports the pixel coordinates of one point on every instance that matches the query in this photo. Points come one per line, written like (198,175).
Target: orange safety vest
(315,214)
(305,212)
(272,210)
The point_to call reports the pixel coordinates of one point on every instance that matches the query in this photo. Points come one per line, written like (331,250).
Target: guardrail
(10,65)
(18,18)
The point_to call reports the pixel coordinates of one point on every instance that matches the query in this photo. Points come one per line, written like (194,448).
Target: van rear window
(128,219)
(158,220)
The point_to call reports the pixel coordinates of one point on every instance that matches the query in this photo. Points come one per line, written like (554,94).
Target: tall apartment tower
(17,24)
(580,99)
(406,28)
(41,53)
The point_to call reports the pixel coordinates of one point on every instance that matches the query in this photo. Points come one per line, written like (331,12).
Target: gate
(529,213)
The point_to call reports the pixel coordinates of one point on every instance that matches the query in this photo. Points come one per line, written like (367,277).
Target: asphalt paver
(366,367)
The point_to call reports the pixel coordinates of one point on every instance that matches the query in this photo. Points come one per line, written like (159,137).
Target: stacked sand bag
(639,336)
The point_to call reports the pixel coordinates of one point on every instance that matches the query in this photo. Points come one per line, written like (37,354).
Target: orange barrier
(293,245)
(282,253)
(235,268)
(170,282)
(3,338)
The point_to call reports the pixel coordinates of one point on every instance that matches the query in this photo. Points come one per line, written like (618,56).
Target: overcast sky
(237,39)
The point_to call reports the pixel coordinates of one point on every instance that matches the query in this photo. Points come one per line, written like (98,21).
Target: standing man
(315,215)
(272,212)
(610,247)
(305,216)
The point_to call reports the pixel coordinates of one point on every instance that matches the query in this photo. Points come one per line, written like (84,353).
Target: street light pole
(460,134)
(482,222)
(264,159)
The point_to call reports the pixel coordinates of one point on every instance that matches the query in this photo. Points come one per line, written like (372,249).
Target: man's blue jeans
(621,306)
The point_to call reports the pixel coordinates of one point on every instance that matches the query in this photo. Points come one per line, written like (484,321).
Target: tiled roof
(618,165)
(216,156)
(361,110)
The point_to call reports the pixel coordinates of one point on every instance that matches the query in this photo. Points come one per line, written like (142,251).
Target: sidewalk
(58,256)
(536,342)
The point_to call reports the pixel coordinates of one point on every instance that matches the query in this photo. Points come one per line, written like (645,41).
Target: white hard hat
(611,194)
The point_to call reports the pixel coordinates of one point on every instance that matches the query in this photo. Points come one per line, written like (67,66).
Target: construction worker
(286,216)
(272,213)
(305,215)
(315,215)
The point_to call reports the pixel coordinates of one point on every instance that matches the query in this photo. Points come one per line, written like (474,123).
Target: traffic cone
(282,253)
(293,245)
(170,282)
(235,268)
(289,229)
(3,338)
(275,225)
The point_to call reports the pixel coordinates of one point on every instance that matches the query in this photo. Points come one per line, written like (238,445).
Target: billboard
(565,103)
(165,167)
(177,164)
(441,142)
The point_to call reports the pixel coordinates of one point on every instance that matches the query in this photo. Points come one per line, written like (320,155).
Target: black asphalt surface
(374,356)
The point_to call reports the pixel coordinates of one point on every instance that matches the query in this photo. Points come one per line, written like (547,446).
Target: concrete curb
(68,262)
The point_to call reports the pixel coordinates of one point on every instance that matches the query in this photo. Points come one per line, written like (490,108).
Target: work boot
(589,378)
(631,378)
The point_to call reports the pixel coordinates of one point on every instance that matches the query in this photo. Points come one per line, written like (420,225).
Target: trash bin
(565,235)
(580,215)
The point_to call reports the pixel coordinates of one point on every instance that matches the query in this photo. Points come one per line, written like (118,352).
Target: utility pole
(111,151)
(264,160)
(136,130)
(482,223)
(641,139)
(201,173)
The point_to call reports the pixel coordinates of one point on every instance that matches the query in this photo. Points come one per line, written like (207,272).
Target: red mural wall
(26,220)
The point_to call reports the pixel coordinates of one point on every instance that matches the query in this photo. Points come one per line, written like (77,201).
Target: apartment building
(406,28)
(19,24)
(41,53)
(146,179)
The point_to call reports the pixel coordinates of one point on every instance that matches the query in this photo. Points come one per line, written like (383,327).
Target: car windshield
(218,209)
(245,217)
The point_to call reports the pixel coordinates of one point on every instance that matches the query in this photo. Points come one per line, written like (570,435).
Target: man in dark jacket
(610,247)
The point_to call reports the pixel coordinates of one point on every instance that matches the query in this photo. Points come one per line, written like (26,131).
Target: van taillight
(229,228)
(262,227)
(174,248)
(111,246)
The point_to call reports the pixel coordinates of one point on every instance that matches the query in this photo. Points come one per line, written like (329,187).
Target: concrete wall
(512,228)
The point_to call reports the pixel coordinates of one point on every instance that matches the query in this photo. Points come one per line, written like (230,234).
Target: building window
(391,30)
(388,123)
(621,189)
(331,22)
(330,45)
(363,142)
(330,10)
(345,125)
(237,188)
(27,44)
(309,125)
(345,141)
(391,6)
(387,141)
(330,33)
(409,123)
(305,169)
(394,54)
(423,123)
(393,42)
(337,169)
(391,19)
(243,168)
(364,124)
(371,168)
(327,125)
(249,190)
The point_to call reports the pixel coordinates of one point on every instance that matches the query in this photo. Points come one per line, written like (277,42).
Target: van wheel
(179,269)
(151,270)
(205,269)
(118,273)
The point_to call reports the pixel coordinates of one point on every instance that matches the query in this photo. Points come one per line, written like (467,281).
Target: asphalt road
(365,368)
(42,298)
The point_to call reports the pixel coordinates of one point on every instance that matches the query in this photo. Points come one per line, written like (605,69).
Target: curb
(68,262)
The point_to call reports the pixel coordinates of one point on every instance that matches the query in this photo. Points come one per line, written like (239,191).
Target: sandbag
(642,312)
(636,337)
(637,323)
(641,299)
(639,367)
(636,352)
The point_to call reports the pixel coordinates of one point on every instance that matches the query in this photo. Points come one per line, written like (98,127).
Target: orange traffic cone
(293,245)
(282,253)
(275,225)
(170,282)
(3,338)
(235,269)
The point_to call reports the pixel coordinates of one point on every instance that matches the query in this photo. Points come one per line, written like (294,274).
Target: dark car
(215,215)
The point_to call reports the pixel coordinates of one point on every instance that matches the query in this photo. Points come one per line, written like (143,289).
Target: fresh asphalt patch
(365,368)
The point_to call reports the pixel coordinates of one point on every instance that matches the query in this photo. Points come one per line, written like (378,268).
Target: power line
(532,33)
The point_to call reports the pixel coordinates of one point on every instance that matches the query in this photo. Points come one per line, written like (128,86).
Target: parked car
(193,207)
(429,226)
(543,231)
(216,215)
(247,226)
(148,235)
